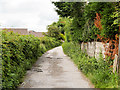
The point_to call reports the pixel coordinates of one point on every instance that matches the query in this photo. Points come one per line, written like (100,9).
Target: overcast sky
(32,14)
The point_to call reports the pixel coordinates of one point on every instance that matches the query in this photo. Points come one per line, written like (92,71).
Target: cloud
(31,14)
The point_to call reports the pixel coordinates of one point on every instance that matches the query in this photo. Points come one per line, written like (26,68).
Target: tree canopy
(85,18)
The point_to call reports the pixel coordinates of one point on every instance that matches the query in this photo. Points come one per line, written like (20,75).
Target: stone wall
(93,49)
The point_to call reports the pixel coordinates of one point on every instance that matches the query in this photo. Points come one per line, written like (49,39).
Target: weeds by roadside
(98,71)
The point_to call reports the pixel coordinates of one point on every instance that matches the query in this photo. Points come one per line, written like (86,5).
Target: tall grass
(98,71)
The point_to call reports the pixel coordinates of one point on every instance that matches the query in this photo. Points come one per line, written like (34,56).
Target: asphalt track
(55,70)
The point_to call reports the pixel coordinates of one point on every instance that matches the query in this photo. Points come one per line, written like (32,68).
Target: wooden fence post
(119,54)
(118,69)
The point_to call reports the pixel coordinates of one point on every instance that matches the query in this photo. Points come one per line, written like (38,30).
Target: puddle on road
(59,58)
(37,69)
(54,69)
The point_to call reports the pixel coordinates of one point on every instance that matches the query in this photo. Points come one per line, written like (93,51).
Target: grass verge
(98,71)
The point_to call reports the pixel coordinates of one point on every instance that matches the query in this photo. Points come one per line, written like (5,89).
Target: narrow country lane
(55,70)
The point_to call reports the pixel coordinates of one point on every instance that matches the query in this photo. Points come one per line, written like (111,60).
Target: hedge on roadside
(49,42)
(19,52)
(98,71)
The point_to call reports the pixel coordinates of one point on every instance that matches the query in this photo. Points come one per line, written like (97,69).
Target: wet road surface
(55,70)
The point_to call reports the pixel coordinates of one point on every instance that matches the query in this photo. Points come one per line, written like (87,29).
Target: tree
(83,26)
(53,31)
(64,9)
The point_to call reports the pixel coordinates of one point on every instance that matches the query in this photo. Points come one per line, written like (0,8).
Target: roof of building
(36,34)
(22,31)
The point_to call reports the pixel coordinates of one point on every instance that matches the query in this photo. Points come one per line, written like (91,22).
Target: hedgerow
(98,71)
(49,42)
(19,52)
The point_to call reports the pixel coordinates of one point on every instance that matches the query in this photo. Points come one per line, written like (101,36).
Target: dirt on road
(55,70)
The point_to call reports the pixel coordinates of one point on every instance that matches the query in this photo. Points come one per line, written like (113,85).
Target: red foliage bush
(97,21)
(112,48)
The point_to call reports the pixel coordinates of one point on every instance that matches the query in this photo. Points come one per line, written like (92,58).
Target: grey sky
(32,14)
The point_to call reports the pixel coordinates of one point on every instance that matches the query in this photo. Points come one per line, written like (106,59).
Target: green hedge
(19,52)
(49,42)
(98,71)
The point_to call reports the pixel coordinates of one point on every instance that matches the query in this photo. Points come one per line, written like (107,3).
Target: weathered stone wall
(93,48)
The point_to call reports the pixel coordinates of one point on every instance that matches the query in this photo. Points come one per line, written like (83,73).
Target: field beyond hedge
(19,52)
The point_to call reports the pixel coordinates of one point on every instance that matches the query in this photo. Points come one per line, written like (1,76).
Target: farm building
(24,31)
